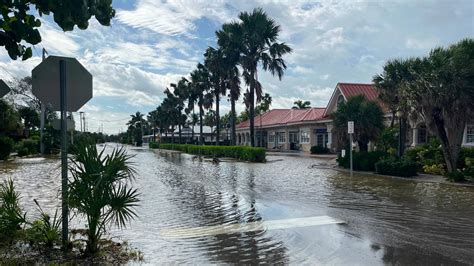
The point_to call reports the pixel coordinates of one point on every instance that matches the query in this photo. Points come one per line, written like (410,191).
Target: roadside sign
(350,127)
(46,85)
(4,88)
(71,125)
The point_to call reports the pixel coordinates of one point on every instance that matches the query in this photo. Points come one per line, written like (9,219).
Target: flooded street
(387,221)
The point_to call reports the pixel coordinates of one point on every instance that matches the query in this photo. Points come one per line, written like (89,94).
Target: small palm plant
(11,214)
(45,229)
(100,190)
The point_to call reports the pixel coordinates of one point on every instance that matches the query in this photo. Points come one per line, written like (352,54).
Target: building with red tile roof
(303,128)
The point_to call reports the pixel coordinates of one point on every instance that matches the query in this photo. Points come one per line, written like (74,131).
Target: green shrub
(27,147)
(45,230)
(319,150)
(362,161)
(6,147)
(463,155)
(456,176)
(153,145)
(238,152)
(435,169)
(396,167)
(426,155)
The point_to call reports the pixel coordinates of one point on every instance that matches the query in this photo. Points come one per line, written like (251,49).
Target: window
(340,100)
(470,134)
(422,136)
(281,137)
(304,137)
(294,138)
(319,139)
(271,138)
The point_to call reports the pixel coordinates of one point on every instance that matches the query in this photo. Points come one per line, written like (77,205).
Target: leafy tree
(9,118)
(440,88)
(367,117)
(100,190)
(30,117)
(258,36)
(19,25)
(299,104)
(210,119)
(264,105)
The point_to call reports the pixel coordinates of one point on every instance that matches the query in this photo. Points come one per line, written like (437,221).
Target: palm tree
(180,95)
(199,86)
(214,61)
(229,42)
(99,190)
(299,104)
(135,125)
(259,45)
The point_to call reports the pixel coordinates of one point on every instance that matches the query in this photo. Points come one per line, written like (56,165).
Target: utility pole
(350,130)
(43,114)
(81,114)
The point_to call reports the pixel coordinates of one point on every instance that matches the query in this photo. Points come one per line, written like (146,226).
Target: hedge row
(238,152)
(362,161)
(396,167)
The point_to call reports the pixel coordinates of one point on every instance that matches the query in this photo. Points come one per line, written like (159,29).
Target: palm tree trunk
(201,111)
(179,132)
(232,120)
(217,118)
(252,111)
(192,131)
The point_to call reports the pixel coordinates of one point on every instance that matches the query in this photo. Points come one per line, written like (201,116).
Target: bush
(319,150)
(465,153)
(27,147)
(239,152)
(396,167)
(154,145)
(6,147)
(435,169)
(456,176)
(426,155)
(45,230)
(362,161)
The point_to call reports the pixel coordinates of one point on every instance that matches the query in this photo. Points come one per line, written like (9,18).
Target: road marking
(247,227)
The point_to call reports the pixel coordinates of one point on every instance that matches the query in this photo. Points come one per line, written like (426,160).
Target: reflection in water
(389,221)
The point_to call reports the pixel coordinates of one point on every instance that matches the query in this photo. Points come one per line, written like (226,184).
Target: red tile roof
(277,117)
(368,90)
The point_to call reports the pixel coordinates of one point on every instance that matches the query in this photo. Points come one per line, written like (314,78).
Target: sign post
(350,130)
(65,85)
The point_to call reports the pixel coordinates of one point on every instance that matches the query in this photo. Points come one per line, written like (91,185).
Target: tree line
(243,48)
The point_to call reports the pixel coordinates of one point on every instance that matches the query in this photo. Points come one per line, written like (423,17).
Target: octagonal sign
(4,88)
(46,85)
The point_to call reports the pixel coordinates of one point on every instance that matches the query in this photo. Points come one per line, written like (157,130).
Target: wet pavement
(387,221)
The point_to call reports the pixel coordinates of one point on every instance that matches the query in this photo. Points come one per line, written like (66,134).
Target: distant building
(300,129)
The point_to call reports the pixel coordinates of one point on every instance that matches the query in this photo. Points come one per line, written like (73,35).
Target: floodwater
(387,221)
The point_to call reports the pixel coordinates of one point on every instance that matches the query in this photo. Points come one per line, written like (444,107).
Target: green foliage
(456,176)
(9,118)
(239,152)
(11,214)
(19,27)
(153,145)
(396,167)
(464,156)
(300,104)
(28,147)
(6,147)
(426,155)
(45,230)
(362,161)
(319,150)
(100,190)
(435,169)
(388,139)
(367,117)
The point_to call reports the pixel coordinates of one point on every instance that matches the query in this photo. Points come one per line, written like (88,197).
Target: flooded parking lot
(386,221)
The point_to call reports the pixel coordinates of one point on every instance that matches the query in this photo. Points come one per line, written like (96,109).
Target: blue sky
(152,43)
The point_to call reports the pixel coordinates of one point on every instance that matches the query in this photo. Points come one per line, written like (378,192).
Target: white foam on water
(187,232)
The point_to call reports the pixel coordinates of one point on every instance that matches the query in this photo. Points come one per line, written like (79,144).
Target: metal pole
(399,137)
(350,152)
(62,82)
(42,118)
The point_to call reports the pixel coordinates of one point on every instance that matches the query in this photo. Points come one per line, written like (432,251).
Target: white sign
(4,89)
(350,127)
(70,124)
(46,85)
(343,153)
